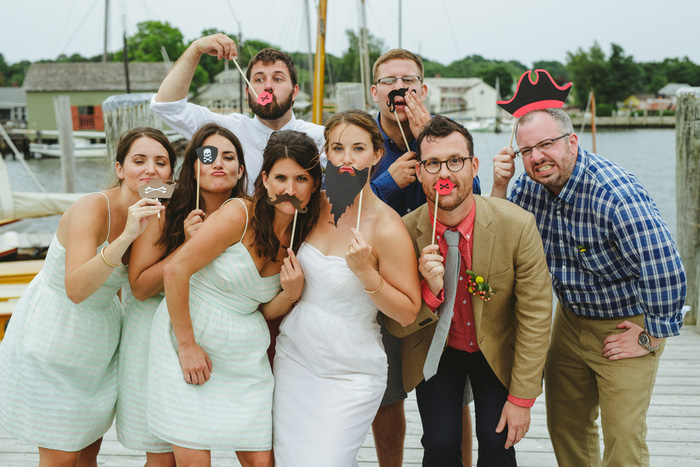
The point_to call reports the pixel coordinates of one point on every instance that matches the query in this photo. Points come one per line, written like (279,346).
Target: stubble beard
(272,111)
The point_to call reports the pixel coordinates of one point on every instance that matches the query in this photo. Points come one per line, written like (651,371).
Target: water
(648,153)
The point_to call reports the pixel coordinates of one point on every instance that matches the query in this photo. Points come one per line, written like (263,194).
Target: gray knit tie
(452,263)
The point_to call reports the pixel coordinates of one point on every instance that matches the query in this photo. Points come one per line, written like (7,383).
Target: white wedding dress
(330,368)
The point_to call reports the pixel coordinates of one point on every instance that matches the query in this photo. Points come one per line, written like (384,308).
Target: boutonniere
(478,287)
(581,248)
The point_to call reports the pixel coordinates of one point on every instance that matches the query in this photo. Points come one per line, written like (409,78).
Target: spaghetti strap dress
(330,368)
(233,410)
(132,427)
(58,361)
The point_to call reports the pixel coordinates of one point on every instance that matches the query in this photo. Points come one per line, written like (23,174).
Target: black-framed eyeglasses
(408,80)
(454,164)
(541,146)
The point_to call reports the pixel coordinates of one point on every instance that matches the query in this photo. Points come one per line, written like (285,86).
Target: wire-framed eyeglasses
(541,146)
(454,164)
(407,80)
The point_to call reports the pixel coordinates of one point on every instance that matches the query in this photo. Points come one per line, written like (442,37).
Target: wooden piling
(688,196)
(64,121)
(125,112)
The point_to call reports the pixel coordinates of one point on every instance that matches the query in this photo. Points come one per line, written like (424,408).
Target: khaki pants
(580,382)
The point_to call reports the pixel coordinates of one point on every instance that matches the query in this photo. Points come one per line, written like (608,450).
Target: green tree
(348,68)
(557,69)
(588,70)
(501,71)
(145,45)
(624,77)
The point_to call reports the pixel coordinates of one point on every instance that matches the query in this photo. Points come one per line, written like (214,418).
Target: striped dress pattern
(233,410)
(58,361)
(132,427)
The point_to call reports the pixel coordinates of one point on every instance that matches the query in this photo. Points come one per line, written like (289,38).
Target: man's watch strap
(644,340)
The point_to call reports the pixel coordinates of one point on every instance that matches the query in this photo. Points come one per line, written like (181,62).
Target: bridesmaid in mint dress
(223,179)
(58,360)
(209,381)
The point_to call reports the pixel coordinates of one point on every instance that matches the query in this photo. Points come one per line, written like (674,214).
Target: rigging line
(449,24)
(63,30)
(87,13)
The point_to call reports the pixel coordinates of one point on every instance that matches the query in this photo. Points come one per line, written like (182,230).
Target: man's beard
(272,111)
(342,188)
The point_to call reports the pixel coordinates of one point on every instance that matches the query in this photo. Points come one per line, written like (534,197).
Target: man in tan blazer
(487,279)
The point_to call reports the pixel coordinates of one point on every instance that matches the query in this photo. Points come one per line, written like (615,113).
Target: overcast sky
(441,30)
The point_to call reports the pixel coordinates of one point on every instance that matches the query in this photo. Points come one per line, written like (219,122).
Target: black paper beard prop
(392,95)
(283,197)
(342,188)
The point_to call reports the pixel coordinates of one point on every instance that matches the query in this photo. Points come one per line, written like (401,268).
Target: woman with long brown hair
(221,180)
(330,365)
(209,383)
(58,360)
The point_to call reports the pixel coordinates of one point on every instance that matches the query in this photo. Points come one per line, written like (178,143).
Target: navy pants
(440,403)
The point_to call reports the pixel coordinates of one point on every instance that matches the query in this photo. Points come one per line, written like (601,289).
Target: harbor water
(650,154)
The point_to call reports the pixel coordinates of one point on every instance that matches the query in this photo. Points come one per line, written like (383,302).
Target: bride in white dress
(330,366)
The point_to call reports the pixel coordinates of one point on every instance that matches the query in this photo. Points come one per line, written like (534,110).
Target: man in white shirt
(269,70)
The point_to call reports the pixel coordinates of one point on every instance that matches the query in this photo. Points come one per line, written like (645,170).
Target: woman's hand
(359,256)
(291,277)
(193,223)
(195,363)
(137,217)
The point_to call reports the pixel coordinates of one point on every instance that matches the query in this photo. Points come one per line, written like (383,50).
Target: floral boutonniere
(476,286)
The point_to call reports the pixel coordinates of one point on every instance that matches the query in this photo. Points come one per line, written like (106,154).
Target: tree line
(613,77)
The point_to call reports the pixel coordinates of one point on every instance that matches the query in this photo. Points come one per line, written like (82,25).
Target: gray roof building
(63,77)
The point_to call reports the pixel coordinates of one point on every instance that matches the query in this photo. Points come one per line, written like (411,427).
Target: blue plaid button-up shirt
(609,252)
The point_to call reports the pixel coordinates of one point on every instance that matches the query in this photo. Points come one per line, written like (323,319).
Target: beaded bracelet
(111,265)
(381,284)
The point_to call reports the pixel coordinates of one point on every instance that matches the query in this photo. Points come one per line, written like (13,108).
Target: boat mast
(319,65)
(104,53)
(364,55)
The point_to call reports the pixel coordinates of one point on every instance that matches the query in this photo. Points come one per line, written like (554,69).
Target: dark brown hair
(300,148)
(128,138)
(269,57)
(184,198)
(441,127)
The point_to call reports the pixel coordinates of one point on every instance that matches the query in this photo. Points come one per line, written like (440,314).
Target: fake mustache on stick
(284,197)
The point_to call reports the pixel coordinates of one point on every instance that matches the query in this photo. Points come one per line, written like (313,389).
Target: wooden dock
(674,424)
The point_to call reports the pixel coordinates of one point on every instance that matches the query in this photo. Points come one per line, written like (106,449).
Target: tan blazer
(512,328)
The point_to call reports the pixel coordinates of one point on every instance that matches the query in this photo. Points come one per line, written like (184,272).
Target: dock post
(688,196)
(64,120)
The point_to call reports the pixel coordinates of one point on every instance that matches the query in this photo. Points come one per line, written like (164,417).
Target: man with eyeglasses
(394,182)
(498,339)
(619,281)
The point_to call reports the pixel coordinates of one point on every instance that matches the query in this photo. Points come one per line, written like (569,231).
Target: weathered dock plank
(674,424)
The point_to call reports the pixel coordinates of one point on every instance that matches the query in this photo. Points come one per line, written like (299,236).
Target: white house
(461,98)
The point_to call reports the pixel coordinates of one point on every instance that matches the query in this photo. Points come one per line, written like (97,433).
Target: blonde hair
(397,54)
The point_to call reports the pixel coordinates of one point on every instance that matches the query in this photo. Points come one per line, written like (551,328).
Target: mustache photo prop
(157,189)
(342,186)
(391,103)
(442,187)
(284,197)
(296,202)
(205,155)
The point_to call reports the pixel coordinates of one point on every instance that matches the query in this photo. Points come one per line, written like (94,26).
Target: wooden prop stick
(512,133)
(437,196)
(405,141)
(359,203)
(250,86)
(294,228)
(198,166)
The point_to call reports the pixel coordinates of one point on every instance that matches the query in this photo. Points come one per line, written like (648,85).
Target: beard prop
(342,187)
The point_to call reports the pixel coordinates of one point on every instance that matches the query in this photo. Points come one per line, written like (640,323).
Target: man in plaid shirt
(619,280)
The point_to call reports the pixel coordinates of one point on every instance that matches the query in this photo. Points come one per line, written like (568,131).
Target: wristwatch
(644,340)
